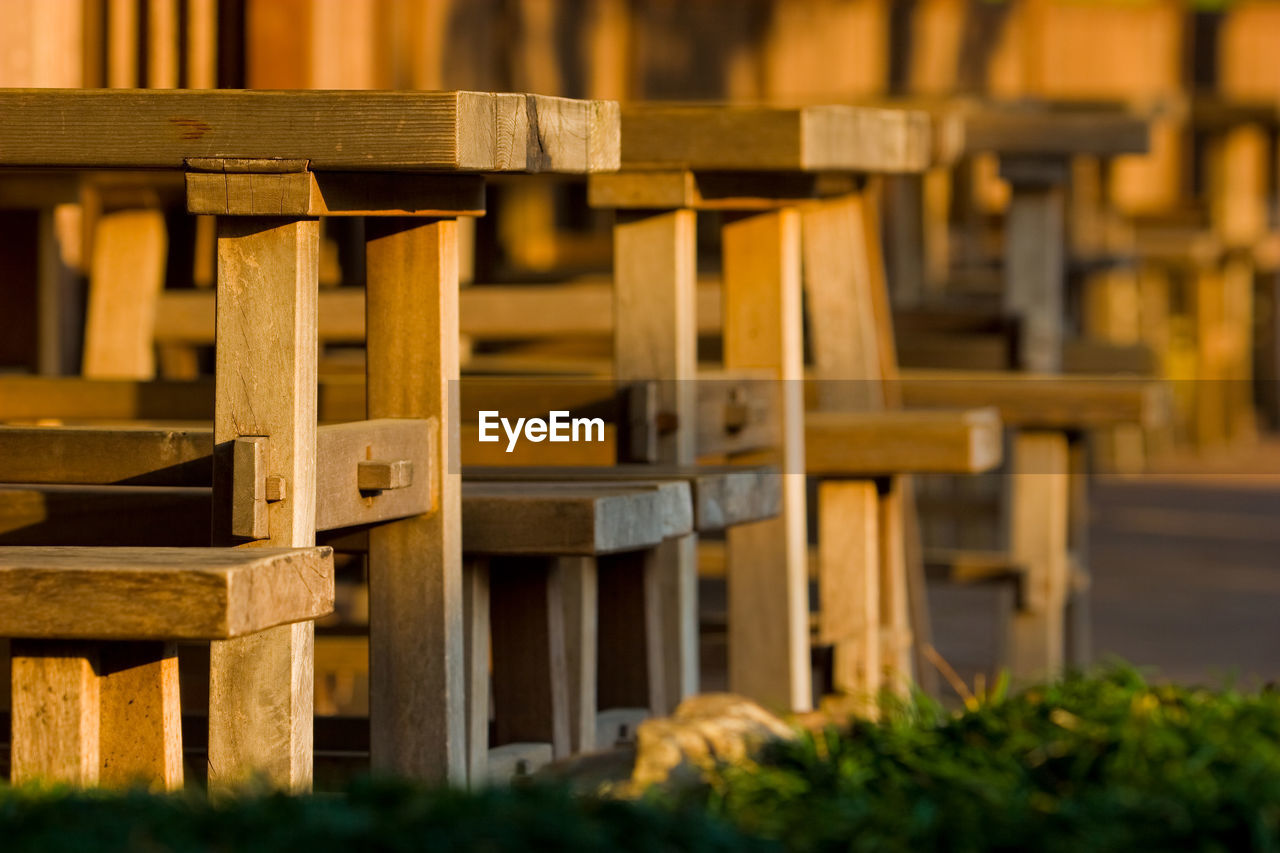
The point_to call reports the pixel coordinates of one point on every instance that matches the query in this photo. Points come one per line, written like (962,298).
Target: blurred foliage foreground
(1103,762)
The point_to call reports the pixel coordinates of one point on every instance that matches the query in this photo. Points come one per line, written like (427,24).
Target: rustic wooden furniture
(95,664)
(267,164)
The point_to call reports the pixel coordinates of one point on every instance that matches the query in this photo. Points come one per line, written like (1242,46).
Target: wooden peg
(376,475)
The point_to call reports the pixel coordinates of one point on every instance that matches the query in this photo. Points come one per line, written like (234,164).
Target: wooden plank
(897,642)
(160,593)
(1039,400)
(668,189)
(334,130)
(125,455)
(125,280)
(55,714)
(1047,130)
(818,138)
(202,44)
(860,444)
(162,44)
(1038,539)
(261,686)
(566,519)
(140,718)
(402,443)
(307,193)
(417,700)
(1035,271)
(530,685)
(475,620)
(723,495)
(104,516)
(849,578)
(768,600)
(656,338)
(122,43)
(579,594)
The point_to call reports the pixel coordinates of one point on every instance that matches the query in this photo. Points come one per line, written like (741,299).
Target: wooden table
(758,165)
(267,164)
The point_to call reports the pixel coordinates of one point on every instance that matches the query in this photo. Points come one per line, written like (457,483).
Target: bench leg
(261,687)
(768,583)
(1034,266)
(580,595)
(417,701)
(630,631)
(656,338)
(896,641)
(849,583)
(1040,482)
(140,739)
(475,617)
(55,712)
(530,683)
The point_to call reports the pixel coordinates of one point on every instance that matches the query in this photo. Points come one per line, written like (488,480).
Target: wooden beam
(140,716)
(417,701)
(667,189)
(55,713)
(333,130)
(849,578)
(307,193)
(768,600)
(870,444)
(818,138)
(261,685)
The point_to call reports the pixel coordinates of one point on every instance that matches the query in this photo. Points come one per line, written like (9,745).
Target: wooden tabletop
(714,137)
(1037,129)
(332,130)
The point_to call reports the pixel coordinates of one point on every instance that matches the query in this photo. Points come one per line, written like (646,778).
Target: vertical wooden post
(140,738)
(417,704)
(475,618)
(631,653)
(55,713)
(1034,262)
(1079,617)
(1040,482)
(578,590)
(768,592)
(656,338)
(849,581)
(261,687)
(125,280)
(896,636)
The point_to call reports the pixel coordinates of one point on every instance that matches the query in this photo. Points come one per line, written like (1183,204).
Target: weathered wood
(307,193)
(140,718)
(249,487)
(670,189)
(160,593)
(723,495)
(1038,539)
(530,684)
(417,702)
(569,519)
(125,455)
(104,516)
(334,130)
(632,652)
(1034,272)
(1041,401)
(475,620)
(819,138)
(768,599)
(862,444)
(261,685)
(55,713)
(849,580)
(353,487)
(376,475)
(1041,130)
(125,279)
(578,591)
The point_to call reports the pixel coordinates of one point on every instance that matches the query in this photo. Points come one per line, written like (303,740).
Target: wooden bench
(267,164)
(94,657)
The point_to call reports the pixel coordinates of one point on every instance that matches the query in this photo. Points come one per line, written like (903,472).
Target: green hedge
(372,816)
(1101,763)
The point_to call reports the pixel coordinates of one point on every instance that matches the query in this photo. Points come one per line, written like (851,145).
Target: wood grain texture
(417,699)
(307,193)
(849,578)
(868,444)
(160,593)
(334,130)
(475,620)
(1041,401)
(658,189)
(140,721)
(579,594)
(261,686)
(820,138)
(125,455)
(530,681)
(567,519)
(55,713)
(768,598)
(1039,500)
(723,495)
(126,276)
(656,338)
